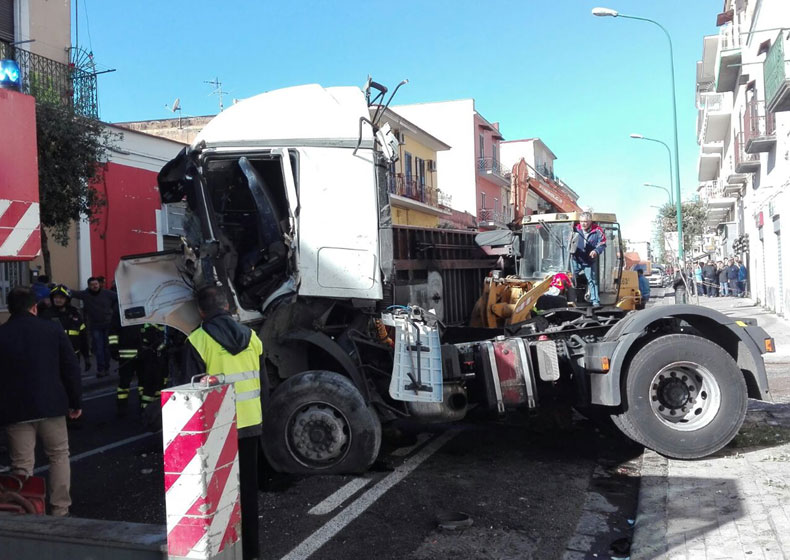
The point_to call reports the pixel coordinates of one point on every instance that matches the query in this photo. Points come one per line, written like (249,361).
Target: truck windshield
(545,249)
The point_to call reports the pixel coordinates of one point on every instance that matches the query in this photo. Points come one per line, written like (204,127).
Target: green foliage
(694,216)
(72,151)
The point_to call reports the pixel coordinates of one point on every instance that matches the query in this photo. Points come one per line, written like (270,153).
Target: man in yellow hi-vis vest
(222,346)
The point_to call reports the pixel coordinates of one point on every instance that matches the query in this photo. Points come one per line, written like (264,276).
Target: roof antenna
(217,91)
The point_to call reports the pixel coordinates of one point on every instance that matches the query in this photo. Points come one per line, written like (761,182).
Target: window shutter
(7,20)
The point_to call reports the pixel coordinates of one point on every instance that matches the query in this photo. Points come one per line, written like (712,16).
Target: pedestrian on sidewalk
(41,385)
(732,278)
(221,345)
(98,306)
(698,279)
(711,279)
(742,275)
(722,274)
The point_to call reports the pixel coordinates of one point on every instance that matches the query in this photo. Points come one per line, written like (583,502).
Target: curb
(651,523)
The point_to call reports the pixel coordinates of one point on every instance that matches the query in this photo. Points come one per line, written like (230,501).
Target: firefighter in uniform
(70,319)
(154,363)
(222,346)
(125,343)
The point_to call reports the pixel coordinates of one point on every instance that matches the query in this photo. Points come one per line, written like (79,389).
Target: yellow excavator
(537,261)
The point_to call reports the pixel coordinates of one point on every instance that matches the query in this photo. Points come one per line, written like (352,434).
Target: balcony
(759,128)
(410,187)
(744,162)
(728,63)
(709,164)
(51,80)
(776,70)
(711,189)
(716,111)
(493,169)
(488,217)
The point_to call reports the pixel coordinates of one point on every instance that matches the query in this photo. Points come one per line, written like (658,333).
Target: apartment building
(415,197)
(470,171)
(743,130)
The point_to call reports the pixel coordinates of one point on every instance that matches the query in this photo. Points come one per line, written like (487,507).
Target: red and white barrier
(201,461)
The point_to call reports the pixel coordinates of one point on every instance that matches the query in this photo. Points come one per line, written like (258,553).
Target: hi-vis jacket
(222,346)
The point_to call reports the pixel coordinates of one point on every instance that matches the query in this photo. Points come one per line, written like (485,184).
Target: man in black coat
(98,304)
(41,384)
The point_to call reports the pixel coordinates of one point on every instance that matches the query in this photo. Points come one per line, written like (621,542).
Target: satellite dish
(176,105)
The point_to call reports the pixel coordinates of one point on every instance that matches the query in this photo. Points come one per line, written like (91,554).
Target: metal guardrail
(711,189)
(49,79)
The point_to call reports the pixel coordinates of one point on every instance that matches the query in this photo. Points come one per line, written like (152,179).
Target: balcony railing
(410,186)
(491,215)
(729,37)
(745,162)
(49,79)
(759,127)
(491,166)
(711,189)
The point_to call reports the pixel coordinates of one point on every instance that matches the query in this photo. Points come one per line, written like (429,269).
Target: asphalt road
(524,484)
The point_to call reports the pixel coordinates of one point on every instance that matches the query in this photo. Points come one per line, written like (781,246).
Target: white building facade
(743,130)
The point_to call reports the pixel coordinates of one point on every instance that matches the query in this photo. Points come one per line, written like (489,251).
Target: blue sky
(541,68)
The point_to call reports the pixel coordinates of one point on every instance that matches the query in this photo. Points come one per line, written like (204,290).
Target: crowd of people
(45,385)
(721,278)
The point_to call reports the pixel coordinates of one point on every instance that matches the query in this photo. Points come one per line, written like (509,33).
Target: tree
(72,152)
(694,214)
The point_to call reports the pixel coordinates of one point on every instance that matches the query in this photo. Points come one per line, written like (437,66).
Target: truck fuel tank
(507,373)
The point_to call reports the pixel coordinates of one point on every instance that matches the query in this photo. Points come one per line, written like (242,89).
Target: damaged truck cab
(283,200)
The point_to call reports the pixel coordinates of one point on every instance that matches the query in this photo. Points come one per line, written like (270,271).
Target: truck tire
(624,425)
(318,423)
(686,397)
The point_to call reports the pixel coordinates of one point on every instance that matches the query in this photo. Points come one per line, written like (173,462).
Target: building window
(11,274)
(482,145)
(6,21)
(483,200)
(494,154)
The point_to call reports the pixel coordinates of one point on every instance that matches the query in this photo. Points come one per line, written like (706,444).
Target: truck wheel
(624,425)
(318,423)
(686,397)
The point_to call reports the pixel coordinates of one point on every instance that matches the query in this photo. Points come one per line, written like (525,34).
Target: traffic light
(745,243)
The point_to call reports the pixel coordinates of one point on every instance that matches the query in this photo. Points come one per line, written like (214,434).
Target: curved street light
(666,190)
(604,12)
(669,152)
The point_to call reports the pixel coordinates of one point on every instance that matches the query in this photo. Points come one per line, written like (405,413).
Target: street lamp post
(669,192)
(607,12)
(669,153)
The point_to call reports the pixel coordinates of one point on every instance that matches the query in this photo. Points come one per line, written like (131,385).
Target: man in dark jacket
(732,278)
(221,345)
(98,305)
(70,319)
(590,244)
(40,380)
(711,277)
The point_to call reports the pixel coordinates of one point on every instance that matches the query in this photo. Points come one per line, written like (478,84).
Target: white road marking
(99,396)
(358,506)
(98,450)
(340,496)
(403,451)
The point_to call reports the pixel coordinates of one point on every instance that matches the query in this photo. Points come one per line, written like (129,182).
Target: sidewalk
(735,503)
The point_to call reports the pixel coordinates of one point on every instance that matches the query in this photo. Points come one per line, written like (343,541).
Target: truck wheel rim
(685,396)
(318,435)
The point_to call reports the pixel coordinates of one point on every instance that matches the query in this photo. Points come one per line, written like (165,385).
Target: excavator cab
(537,270)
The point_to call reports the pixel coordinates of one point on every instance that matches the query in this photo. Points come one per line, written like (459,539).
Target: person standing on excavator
(590,244)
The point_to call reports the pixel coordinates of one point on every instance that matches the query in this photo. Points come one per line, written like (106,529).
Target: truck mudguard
(606,387)
(334,350)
